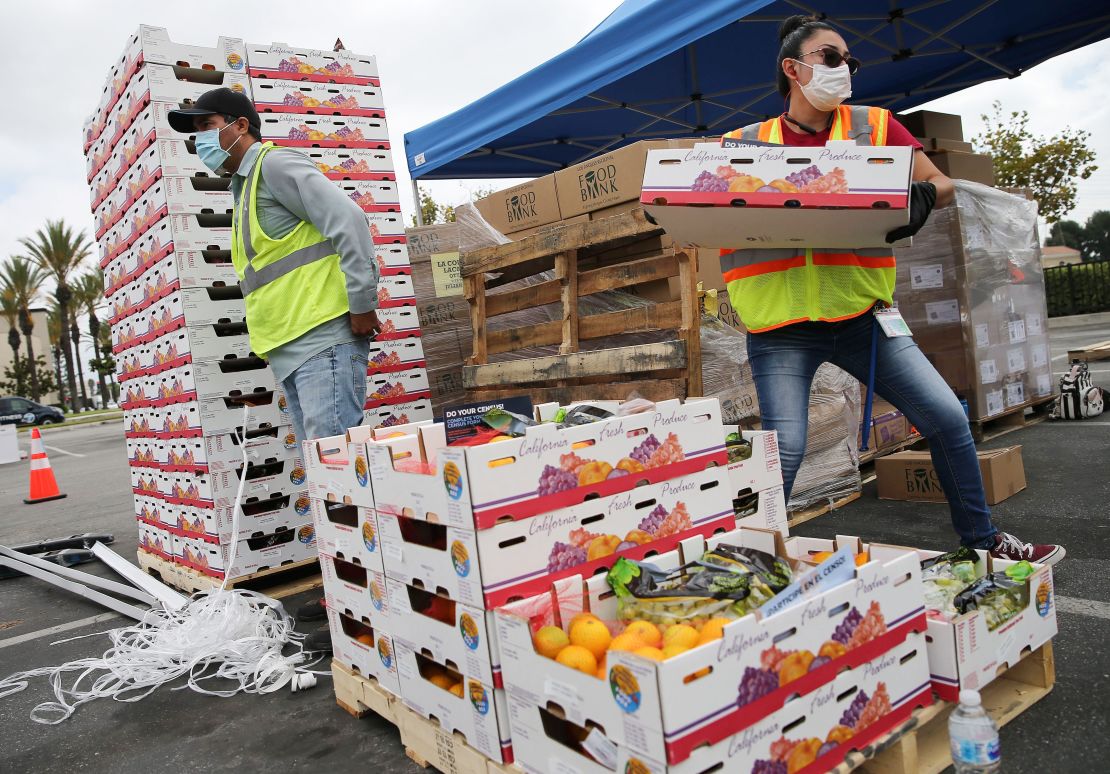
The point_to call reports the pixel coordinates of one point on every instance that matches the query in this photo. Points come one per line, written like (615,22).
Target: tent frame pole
(416,200)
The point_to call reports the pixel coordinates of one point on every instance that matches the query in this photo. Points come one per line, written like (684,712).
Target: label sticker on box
(942,312)
(988,372)
(1015,393)
(927,277)
(603,750)
(393,551)
(1040,356)
(559,766)
(1017,331)
(1044,384)
(566,696)
(1033,324)
(995,402)
(982,336)
(447,274)
(1015,359)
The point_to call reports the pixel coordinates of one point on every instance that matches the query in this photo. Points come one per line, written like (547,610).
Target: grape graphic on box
(585,546)
(808,180)
(777,668)
(574,471)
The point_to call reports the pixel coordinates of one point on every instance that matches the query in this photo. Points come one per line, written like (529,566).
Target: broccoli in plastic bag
(999,597)
(945,576)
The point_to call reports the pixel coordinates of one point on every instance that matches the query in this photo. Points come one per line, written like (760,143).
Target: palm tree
(88,296)
(24,281)
(9,309)
(59,251)
(54,334)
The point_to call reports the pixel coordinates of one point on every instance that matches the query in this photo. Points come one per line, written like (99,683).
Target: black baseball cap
(222,101)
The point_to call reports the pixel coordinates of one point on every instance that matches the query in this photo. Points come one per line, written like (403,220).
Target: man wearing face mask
(305,261)
(809,305)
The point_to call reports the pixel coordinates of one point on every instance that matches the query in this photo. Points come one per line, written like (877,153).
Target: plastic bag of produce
(945,576)
(996,595)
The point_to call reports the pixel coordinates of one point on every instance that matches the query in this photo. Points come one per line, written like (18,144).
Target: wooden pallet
(920,745)
(275,582)
(585,258)
(426,743)
(1100,351)
(1012,419)
(814,511)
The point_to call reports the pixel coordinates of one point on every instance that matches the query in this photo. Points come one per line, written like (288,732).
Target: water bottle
(973,737)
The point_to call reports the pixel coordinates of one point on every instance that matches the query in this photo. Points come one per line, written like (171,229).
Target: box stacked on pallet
(693,682)
(463,529)
(163,223)
(329,105)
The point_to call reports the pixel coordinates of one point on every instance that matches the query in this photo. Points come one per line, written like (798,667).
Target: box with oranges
(257,516)
(368,651)
(386,228)
(348,532)
(356,591)
(281,62)
(266,551)
(452,633)
(337,466)
(809,733)
(460,702)
(649,686)
(227,451)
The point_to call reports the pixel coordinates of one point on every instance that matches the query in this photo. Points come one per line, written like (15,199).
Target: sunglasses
(834,58)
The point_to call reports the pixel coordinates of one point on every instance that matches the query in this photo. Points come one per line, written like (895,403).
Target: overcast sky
(434,56)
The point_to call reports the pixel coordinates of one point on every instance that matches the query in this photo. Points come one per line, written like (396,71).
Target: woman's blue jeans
(784,362)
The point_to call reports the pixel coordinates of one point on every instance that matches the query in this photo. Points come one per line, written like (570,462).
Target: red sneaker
(1007,546)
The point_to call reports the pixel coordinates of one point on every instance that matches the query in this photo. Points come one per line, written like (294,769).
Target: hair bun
(792,23)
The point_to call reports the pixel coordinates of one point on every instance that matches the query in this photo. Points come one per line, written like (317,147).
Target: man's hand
(365,325)
(923,195)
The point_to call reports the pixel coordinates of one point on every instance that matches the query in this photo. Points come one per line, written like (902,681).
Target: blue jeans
(327,393)
(784,362)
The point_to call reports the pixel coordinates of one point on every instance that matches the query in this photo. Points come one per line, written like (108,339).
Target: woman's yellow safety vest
(773,287)
(291,285)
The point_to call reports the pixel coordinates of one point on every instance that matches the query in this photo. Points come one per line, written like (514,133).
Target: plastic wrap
(726,373)
(971,288)
(830,468)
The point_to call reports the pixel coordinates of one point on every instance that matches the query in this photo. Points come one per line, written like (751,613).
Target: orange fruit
(549,640)
(625,641)
(602,668)
(442,680)
(366,639)
(577,657)
(670,651)
(649,652)
(592,635)
(648,633)
(683,635)
(713,630)
(581,617)
(457,689)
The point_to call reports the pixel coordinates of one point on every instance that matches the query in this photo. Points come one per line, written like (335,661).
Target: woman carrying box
(807,306)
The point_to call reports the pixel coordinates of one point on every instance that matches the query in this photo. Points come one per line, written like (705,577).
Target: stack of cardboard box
(942,134)
(330,105)
(163,223)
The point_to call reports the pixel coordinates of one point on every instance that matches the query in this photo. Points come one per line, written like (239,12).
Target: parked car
(23,411)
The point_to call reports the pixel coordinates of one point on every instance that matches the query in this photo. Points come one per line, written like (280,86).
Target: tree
(89,296)
(54,334)
(1096,237)
(60,252)
(1048,166)
(431,212)
(24,280)
(1065,233)
(19,375)
(9,309)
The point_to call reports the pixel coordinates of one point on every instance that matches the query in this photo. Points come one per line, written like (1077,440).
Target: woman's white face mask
(828,87)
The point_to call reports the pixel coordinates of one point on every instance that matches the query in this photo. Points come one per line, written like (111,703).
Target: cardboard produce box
(976,167)
(534,203)
(758,196)
(910,475)
(927,123)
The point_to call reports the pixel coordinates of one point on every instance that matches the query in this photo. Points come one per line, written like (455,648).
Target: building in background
(40,342)
(1060,256)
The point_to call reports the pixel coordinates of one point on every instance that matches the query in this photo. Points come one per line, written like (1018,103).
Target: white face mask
(828,87)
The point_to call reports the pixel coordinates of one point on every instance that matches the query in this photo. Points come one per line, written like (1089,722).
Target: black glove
(923,195)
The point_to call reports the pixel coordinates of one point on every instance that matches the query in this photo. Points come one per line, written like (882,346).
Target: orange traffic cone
(43,485)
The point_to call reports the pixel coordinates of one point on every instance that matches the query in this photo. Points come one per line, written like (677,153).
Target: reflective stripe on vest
(290,285)
(774,287)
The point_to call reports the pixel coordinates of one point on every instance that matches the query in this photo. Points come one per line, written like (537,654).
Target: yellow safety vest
(291,285)
(774,287)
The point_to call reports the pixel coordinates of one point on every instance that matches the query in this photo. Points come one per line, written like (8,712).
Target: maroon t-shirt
(896,134)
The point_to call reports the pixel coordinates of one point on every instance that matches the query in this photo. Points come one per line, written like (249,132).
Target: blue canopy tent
(689,68)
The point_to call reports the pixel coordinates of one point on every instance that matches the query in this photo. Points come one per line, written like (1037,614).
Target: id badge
(890,320)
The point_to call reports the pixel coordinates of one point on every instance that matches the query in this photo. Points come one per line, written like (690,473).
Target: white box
(198,307)
(393,356)
(238,376)
(163,83)
(790,739)
(760,471)
(200,232)
(131,332)
(218,489)
(218,416)
(513,559)
(870,199)
(353,163)
(356,591)
(484,484)
(399,414)
(480,715)
(386,228)
(97,157)
(348,532)
(765,509)
(398,323)
(392,259)
(395,290)
(225,452)
(257,516)
(455,634)
(292,130)
(144,482)
(100,186)
(149,249)
(177,159)
(111,209)
(396,388)
(287,545)
(153,44)
(364,650)
(156,541)
(282,61)
(136,423)
(199,344)
(272,95)
(141,453)
(135,363)
(196,269)
(653,708)
(372,195)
